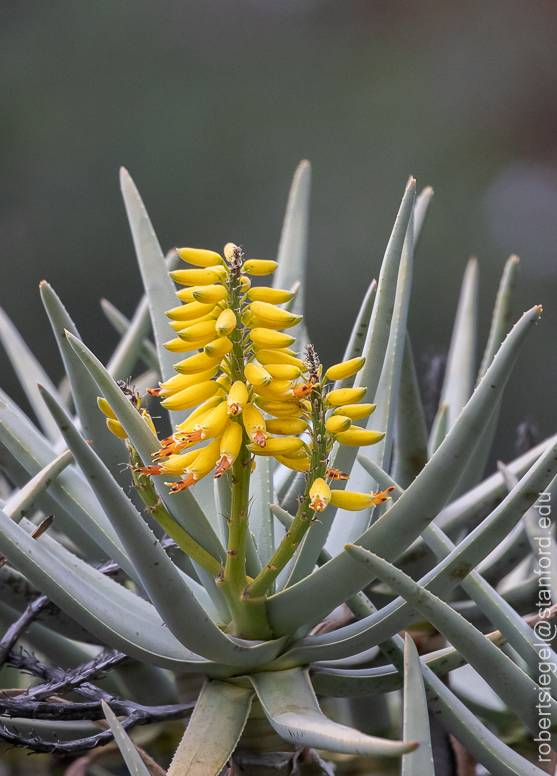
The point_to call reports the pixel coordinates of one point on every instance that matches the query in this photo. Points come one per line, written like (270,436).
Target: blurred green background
(211,105)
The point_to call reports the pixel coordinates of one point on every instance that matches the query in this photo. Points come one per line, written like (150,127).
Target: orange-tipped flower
(319,495)
(237,398)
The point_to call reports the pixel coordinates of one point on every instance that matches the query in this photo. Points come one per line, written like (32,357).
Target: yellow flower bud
(189,312)
(274,316)
(198,331)
(226,322)
(338,423)
(319,495)
(256,375)
(178,345)
(179,382)
(271,295)
(218,348)
(259,267)
(178,464)
(198,414)
(230,445)
(345,396)
(286,426)
(355,411)
(191,396)
(198,277)
(186,294)
(275,390)
(199,257)
(345,369)
(351,501)
(359,437)
(279,409)
(280,446)
(206,459)
(254,423)
(201,362)
(229,249)
(224,381)
(208,294)
(284,371)
(267,338)
(296,464)
(105,408)
(116,428)
(237,398)
(214,423)
(266,357)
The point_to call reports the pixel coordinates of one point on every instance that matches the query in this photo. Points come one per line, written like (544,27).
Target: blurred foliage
(211,106)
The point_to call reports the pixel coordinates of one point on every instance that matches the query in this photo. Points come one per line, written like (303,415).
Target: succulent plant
(283,491)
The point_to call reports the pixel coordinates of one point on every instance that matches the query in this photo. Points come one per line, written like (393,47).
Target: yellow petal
(274,315)
(359,437)
(355,411)
(280,446)
(105,408)
(199,331)
(226,322)
(271,295)
(237,398)
(287,425)
(345,396)
(267,338)
(191,396)
(199,257)
(200,362)
(208,294)
(218,348)
(259,267)
(266,357)
(319,495)
(116,428)
(257,375)
(284,371)
(296,464)
(189,312)
(353,502)
(198,277)
(338,423)
(345,369)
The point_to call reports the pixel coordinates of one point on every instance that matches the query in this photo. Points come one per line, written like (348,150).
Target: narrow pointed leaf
(501,321)
(22,502)
(135,764)
(29,373)
(411,429)
(421,209)
(261,518)
(438,430)
(123,360)
(357,339)
(416,722)
(119,321)
(317,595)
(213,731)
(291,707)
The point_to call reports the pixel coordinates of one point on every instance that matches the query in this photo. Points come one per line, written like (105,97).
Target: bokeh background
(211,105)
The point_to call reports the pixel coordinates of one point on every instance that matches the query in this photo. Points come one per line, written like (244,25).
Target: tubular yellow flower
(268,338)
(345,369)
(319,495)
(179,382)
(354,502)
(345,396)
(224,381)
(198,277)
(275,390)
(189,312)
(218,348)
(229,448)
(237,398)
(286,426)
(355,411)
(178,345)
(274,316)
(266,357)
(255,426)
(175,465)
(270,295)
(274,446)
(105,408)
(186,294)
(198,414)
(200,467)
(198,331)
(208,294)
(296,464)
(338,423)
(226,322)
(280,409)
(257,375)
(284,371)
(212,425)
(201,362)
(116,428)
(259,267)
(359,437)
(199,257)
(191,396)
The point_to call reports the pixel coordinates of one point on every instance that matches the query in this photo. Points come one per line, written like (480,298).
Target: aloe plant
(278,490)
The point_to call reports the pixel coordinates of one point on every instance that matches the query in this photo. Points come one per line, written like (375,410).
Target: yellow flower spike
(280,446)
(201,362)
(259,267)
(198,331)
(179,382)
(319,495)
(296,464)
(355,411)
(224,381)
(337,423)
(218,348)
(116,428)
(191,396)
(198,277)
(286,426)
(345,396)
(284,371)
(270,295)
(257,375)
(266,357)
(226,322)
(208,294)
(105,408)
(254,423)
(268,338)
(359,437)
(199,257)
(345,369)
(237,398)
(189,312)
(274,316)
(230,444)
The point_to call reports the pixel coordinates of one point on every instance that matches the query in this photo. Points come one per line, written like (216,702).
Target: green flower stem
(304,515)
(146,490)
